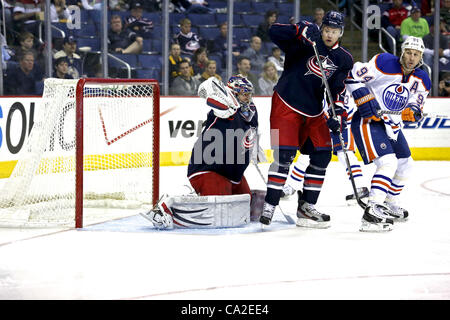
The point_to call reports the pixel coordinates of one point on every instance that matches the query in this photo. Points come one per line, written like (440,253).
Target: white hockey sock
(297,172)
(382,179)
(402,174)
(354,165)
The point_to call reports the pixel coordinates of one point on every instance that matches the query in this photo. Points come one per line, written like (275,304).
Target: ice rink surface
(128,259)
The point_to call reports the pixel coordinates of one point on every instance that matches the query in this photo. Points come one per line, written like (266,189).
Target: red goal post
(93,153)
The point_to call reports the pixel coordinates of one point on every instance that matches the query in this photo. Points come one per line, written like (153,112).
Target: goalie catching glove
(412,113)
(219,97)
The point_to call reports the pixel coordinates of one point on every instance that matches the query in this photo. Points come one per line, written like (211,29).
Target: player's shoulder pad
(387,63)
(347,56)
(423,75)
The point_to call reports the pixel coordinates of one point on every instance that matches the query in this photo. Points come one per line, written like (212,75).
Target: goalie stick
(341,139)
(286,216)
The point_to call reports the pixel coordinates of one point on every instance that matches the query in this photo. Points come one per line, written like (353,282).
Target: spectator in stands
(414,25)
(428,41)
(210,71)
(444,85)
(174,61)
(23,79)
(61,66)
(243,67)
(73,59)
(199,61)
(268,79)
(27,14)
(319,13)
(6,56)
(185,84)
(195,6)
(188,40)
(445,12)
(26,43)
(255,54)
(221,43)
(123,40)
(143,27)
(270,18)
(277,59)
(59,11)
(392,20)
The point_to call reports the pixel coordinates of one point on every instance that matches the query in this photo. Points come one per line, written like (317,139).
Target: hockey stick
(286,216)
(429,115)
(341,139)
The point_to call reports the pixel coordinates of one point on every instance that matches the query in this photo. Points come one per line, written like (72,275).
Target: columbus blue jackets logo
(395,97)
(249,139)
(313,67)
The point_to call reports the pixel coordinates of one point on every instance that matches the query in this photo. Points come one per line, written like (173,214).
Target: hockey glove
(311,33)
(340,122)
(412,113)
(367,104)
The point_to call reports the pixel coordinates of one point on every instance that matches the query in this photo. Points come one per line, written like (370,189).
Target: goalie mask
(242,89)
(413,43)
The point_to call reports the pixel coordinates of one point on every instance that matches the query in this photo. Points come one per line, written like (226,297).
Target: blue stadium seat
(262,7)
(87,30)
(221,17)
(252,19)
(240,7)
(174,18)
(198,19)
(153,73)
(131,59)
(209,33)
(149,61)
(155,17)
(94,43)
(147,45)
(157,45)
(285,8)
(284,18)
(242,33)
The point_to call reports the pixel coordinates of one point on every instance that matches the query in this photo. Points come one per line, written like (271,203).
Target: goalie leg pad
(211,211)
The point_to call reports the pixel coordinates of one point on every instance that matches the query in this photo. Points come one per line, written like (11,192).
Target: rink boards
(182,120)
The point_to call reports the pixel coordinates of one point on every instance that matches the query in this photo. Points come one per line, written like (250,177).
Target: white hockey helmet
(414,43)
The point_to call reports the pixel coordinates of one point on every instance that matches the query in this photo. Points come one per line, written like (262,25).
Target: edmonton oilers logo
(395,97)
(313,67)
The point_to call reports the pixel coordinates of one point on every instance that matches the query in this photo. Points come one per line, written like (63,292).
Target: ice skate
(309,217)
(267,214)
(287,191)
(397,212)
(376,219)
(362,193)
(157,216)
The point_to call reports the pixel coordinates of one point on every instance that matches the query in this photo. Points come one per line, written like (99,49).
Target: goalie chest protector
(223,146)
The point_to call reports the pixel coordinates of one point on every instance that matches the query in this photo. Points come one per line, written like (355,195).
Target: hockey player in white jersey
(387,84)
(297,172)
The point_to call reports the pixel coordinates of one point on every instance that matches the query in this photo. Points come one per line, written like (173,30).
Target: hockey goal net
(92,155)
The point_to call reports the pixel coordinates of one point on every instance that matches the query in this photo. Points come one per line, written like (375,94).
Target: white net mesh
(117,163)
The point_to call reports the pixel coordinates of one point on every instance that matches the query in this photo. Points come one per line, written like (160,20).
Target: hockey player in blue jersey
(385,85)
(297,120)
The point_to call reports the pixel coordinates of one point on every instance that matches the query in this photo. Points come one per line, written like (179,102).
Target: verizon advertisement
(182,120)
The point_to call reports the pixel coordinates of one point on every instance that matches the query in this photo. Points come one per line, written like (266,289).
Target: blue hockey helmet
(334,19)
